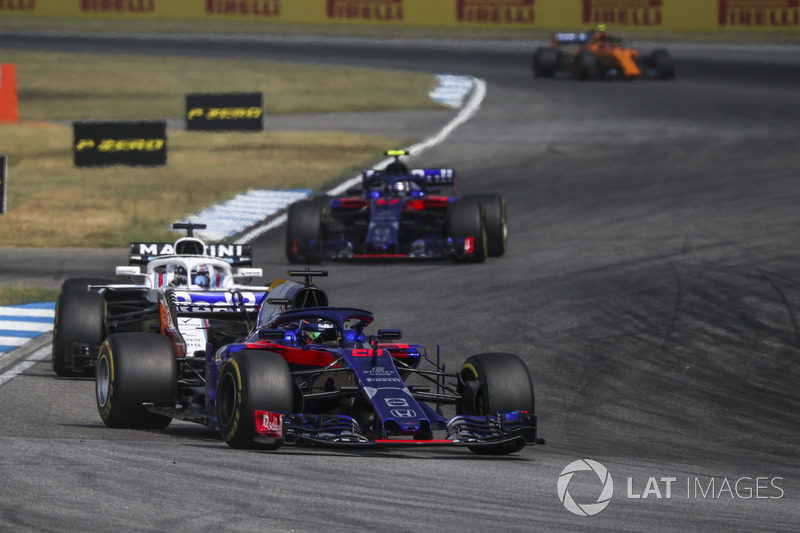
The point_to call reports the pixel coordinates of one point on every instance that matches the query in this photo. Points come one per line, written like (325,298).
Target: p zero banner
(139,143)
(225,112)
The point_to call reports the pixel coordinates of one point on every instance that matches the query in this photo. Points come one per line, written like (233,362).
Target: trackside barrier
(565,15)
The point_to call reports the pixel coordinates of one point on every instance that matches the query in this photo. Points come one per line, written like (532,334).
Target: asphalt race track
(650,284)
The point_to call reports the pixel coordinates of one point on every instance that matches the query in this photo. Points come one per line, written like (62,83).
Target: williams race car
(88,309)
(398,213)
(597,55)
(309,374)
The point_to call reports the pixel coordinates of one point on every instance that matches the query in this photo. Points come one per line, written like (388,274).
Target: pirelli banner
(225,112)
(557,15)
(139,143)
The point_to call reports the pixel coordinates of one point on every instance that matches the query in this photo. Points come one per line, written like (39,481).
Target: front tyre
(133,369)
(252,380)
(493,383)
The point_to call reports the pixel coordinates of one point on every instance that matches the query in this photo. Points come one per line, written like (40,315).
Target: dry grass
(69,86)
(23,294)
(51,203)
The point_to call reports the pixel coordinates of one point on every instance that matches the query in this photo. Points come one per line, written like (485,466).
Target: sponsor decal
(758,13)
(623,12)
(225,112)
(17,5)
(262,8)
(496,11)
(119,6)
(403,413)
(371,10)
(396,402)
(120,143)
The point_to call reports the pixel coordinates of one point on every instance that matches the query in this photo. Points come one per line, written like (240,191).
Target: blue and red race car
(309,374)
(398,213)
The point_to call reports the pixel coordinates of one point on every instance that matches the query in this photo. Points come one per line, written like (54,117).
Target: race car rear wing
(214,304)
(560,39)
(141,253)
(430,176)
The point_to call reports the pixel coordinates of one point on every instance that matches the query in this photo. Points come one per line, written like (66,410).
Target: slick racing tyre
(586,66)
(465,220)
(81,284)
(250,380)
(545,62)
(80,318)
(494,214)
(495,382)
(661,61)
(133,369)
(305,219)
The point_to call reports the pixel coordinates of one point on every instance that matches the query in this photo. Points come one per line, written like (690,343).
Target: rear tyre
(250,380)
(492,383)
(494,211)
(586,66)
(132,369)
(465,220)
(80,318)
(304,223)
(661,61)
(545,62)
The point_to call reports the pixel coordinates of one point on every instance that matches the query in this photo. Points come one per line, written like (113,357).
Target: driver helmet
(317,331)
(179,277)
(201,276)
(400,188)
(600,33)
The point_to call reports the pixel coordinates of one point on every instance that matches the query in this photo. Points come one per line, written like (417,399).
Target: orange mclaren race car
(597,55)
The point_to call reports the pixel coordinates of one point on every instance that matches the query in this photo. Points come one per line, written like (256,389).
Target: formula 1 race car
(596,55)
(310,375)
(398,213)
(88,309)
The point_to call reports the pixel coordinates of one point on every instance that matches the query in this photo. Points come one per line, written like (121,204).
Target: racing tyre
(494,214)
(465,220)
(250,380)
(586,67)
(80,317)
(81,284)
(545,62)
(133,369)
(304,222)
(661,61)
(495,382)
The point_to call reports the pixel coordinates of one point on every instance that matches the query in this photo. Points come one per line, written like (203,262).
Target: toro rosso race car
(597,55)
(88,309)
(398,213)
(309,374)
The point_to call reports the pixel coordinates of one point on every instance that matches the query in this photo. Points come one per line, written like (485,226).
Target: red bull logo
(759,13)
(496,11)
(641,13)
(367,10)
(263,8)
